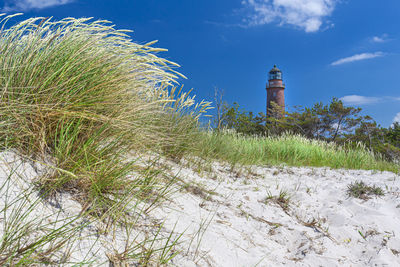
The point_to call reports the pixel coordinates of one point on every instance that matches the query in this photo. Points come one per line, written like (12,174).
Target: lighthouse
(275,90)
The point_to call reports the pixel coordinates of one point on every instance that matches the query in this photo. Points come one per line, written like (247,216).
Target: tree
(320,121)
(339,119)
(233,117)
(368,132)
(393,134)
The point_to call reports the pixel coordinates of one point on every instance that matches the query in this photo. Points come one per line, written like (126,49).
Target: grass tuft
(283,199)
(360,190)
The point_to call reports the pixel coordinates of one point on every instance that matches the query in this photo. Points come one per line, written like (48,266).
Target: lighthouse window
(274,94)
(275,76)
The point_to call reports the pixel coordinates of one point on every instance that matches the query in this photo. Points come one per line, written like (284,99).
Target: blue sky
(349,49)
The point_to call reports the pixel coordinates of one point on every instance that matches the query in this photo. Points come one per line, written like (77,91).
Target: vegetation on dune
(360,190)
(293,150)
(334,122)
(79,97)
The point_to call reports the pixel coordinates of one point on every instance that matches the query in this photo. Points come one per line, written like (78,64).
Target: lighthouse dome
(275,74)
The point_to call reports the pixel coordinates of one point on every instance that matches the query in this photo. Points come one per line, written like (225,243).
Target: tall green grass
(292,150)
(79,96)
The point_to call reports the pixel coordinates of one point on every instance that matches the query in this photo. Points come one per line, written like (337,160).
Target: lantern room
(275,74)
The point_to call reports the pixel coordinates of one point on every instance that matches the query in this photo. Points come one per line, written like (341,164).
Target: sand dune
(322,225)
(235,217)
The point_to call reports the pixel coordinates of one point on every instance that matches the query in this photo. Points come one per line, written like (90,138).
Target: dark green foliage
(393,134)
(341,119)
(378,139)
(329,122)
(242,121)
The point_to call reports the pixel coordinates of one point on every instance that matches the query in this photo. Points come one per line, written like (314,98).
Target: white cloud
(377,39)
(359,100)
(309,15)
(380,39)
(357,57)
(27,5)
(397,118)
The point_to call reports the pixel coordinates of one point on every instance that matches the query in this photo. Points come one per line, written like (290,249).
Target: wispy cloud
(27,5)
(359,100)
(365,100)
(380,39)
(308,15)
(357,57)
(397,118)
(377,39)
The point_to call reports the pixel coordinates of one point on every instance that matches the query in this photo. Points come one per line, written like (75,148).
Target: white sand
(241,230)
(226,221)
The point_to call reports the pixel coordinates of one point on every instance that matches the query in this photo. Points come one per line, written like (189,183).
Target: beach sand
(236,224)
(233,217)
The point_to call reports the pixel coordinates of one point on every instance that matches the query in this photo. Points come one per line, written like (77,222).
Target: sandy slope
(226,219)
(241,229)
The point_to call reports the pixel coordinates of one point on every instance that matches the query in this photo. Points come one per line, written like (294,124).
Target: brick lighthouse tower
(275,90)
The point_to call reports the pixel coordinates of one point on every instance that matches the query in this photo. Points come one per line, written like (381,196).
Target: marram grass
(292,150)
(79,96)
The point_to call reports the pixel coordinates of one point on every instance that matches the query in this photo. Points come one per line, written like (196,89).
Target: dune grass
(80,98)
(79,95)
(292,150)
